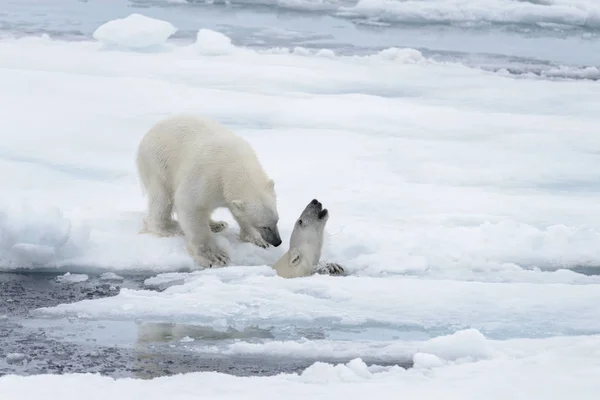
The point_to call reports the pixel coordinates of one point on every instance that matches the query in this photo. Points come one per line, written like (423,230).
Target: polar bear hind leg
(159,219)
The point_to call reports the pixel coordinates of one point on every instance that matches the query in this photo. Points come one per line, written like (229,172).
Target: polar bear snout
(314,211)
(271,236)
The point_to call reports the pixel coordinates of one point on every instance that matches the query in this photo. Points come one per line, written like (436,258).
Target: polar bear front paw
(216,258)
(255,239)
(210,257)
(260,242)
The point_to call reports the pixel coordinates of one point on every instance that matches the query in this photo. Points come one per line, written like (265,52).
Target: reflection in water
(152,359)
(152,332)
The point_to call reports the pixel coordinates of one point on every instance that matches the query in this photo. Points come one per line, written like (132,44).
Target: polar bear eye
(300,222)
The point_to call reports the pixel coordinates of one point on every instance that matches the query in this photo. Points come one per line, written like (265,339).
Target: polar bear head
(307,237)
(258,217)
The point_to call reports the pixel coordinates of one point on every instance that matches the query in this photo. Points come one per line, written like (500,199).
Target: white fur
(192,166)
(303,261)
(294,264)
(306,242)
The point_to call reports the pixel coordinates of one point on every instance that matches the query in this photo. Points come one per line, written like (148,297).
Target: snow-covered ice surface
(499,183)
(554,369)
(464,202)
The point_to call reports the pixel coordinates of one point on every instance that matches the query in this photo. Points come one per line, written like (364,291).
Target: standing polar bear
(192,166)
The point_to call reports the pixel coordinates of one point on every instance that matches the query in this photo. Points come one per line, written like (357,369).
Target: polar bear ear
(239,204)
(295,258)
(271,184)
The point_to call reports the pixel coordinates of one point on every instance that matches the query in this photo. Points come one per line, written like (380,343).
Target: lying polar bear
(306,242)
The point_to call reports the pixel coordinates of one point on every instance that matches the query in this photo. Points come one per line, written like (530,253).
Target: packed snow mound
(33,236)
(213,43)
(72,278)
(325,53)
(404,55)
(135,31)
(426,360)
(592,73)
(465,344)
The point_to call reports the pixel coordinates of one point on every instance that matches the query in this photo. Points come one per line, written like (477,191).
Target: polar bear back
(184,145)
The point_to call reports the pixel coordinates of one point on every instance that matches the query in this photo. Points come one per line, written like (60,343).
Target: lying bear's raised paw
(331,269)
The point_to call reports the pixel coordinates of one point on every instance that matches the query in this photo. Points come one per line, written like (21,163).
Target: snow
(461,346)
(571,368)
(72,278)
(135,31)
(425,360)
(463,205)
(496,153)
(111,276)
(37,235)
(165,280)
(242,297)
(531,14)
(212,43)
(551,12)
(403,55)
(468,343)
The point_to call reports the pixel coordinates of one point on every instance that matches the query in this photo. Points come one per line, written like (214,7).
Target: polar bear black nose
(314,202)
